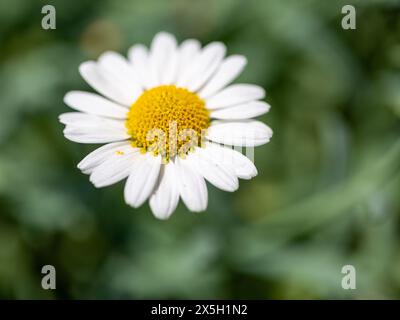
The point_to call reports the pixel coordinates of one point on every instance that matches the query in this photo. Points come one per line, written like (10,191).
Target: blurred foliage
(327,193)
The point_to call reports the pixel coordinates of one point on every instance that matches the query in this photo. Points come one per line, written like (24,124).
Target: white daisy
(154,116)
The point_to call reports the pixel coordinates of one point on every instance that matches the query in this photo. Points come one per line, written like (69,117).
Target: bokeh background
(328,189)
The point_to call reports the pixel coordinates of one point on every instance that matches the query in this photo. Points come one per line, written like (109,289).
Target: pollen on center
(167,120)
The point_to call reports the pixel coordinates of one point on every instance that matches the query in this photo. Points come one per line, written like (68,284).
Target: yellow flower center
(167,120)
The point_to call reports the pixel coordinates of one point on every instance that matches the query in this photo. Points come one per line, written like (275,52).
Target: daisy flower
(168,118)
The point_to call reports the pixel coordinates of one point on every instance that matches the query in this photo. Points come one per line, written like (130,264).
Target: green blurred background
(328,189)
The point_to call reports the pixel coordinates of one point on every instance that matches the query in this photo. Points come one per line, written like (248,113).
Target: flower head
(155,116)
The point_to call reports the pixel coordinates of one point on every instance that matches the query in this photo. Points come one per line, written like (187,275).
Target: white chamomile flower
(154,114)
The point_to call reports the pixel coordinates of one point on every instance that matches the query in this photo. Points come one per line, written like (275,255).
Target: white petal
(101,154)
(84,120)
(188,52)
(115,168)
(86,128)
(122,73)
(139,58)
(94,104)
(247,110)
(88,136)
(226,156)
(220,175)
(192,186)
(203,67)
(163,58)
(235,94)
(142,180)
(165,199)
(247,133)
(230,68)
(169,73)
(99,80)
